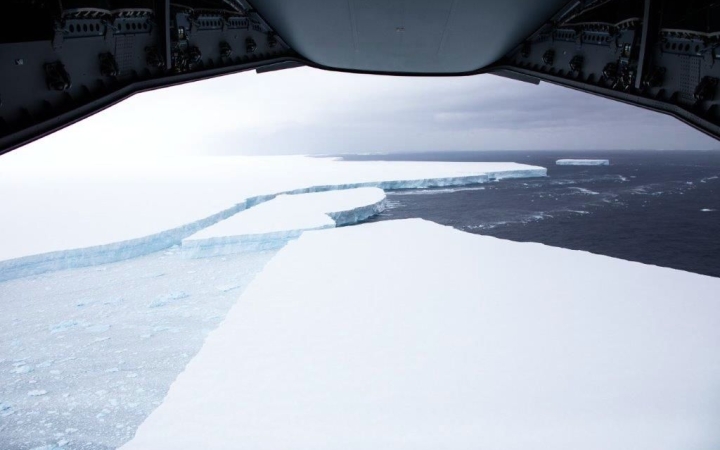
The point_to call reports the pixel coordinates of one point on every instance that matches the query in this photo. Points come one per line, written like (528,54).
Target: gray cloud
(315,112)
(482,112)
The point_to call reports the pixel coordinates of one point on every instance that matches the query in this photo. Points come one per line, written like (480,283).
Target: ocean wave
(485,226)
(520,220)
(391,204)
(647,189)
(580,190)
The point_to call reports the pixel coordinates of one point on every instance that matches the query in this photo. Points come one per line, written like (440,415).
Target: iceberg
(105,341)
(414,335)
(583,162)
(273,223)
(76,217)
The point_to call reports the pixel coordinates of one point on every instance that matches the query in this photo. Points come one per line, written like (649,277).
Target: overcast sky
(309,111)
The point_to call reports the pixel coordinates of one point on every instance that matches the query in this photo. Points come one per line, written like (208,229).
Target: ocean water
(654,207)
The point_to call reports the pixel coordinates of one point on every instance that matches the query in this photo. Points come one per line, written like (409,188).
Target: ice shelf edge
(132,248)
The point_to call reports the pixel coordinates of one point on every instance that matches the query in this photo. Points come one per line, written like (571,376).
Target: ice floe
(273,223)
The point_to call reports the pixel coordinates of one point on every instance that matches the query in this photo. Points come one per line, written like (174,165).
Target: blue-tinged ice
(272,224)
(583,162)
(142,218)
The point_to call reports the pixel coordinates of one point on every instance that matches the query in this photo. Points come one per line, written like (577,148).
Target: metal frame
(95,58)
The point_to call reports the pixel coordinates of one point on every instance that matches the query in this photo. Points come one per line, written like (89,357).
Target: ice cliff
(583,162)
(275,222)
(116,215)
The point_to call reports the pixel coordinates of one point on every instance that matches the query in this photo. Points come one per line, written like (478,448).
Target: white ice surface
(275,222)
(411,335)
(69,213)
(583,162)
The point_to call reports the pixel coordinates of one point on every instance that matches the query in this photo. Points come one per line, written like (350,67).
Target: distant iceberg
(583,162)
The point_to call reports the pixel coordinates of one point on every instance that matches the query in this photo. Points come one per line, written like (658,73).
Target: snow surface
(583,162)
(408,334)
(129,209)
(273,223)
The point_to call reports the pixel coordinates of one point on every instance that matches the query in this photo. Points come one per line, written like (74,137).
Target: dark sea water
(654,207)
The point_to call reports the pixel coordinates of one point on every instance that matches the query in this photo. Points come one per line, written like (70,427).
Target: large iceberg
(583,162)
(65,217)
(414,335)
(272,224)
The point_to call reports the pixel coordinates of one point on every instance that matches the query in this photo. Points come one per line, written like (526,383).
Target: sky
(309,111)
